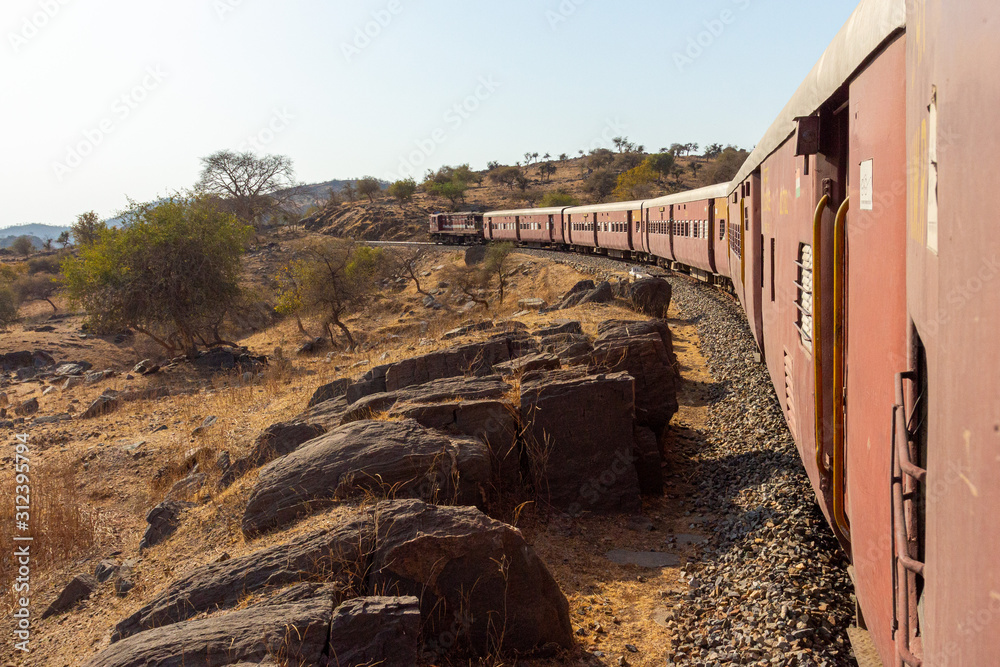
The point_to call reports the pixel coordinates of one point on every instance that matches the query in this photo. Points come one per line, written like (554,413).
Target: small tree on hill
(662,163)
(601,184)
(499,265)
(23,246)
(403,190)
(369,187)
(8,307)
(171,272)
(407,265)
(37,287)
(547,170)
(87,228)
(63,238)
(334,278)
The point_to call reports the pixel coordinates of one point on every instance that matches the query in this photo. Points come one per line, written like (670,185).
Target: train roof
(611,206)
(457,213)
(871,25)
(717,191)
(551,210)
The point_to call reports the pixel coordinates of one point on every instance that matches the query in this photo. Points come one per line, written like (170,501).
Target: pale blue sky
(104,99)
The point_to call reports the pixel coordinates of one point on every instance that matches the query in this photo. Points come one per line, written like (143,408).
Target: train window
(722,229)
(804,296)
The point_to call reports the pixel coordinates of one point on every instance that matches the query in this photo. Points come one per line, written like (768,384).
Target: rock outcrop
(375,631)
(293,634)
(645,351)
(578,432)
(471,573)
(380,457)
(336,554)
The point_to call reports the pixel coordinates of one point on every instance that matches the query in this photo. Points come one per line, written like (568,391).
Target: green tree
(662,163)
(601,184)
(712,151)
(334,278)
(172,272)
(87,228)
(510,177)
(369,187)
(8,307)
(403,190)
(63,238)
(599,158)
(547,170)
(727,164)
(23,246)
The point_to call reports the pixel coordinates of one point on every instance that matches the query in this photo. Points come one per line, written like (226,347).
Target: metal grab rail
(839,489)
(902,465)
(817,337)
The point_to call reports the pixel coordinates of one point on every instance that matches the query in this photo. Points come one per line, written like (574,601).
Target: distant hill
(305,197)
(8,241)
(42,232)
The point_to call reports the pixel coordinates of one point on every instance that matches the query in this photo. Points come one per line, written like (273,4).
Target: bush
(636,183)
(46,264)
(335,278)
(600,184)
(8,307)
(369,187)
(23,246)
(37,287)
(559,198)
(171,272)
(403,190)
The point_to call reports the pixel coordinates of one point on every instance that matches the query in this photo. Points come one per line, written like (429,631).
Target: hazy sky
(104,99)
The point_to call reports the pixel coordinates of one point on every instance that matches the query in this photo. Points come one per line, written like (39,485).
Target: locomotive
(856,240)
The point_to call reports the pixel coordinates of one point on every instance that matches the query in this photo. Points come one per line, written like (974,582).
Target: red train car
(501,226)
(456,228)
(533,226)
(685,224)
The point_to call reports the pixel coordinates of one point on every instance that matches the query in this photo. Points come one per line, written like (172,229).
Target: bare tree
(407,265)
(253,187)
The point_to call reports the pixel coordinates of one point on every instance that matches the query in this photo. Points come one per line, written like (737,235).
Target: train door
(870,332)
(671,226)
(628,228)
(711,235)
(517,227)
(552,228)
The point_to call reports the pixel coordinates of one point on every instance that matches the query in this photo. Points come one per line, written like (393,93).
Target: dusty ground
(105,474)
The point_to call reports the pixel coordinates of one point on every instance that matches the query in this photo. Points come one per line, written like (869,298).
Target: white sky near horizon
(108,100)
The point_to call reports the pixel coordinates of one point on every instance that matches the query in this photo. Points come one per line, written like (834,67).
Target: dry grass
(62,525)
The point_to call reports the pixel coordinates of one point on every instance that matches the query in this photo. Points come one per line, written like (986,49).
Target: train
(858,240)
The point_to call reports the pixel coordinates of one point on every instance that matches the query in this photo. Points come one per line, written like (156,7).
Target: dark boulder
(329,391)
(163,520)
(475,359)
(80,588)
(334,554)
(296,633)
(435,391)
(276,441)
(11,361)
(648,462)
(474,576)
(375,631)
(563,328)
(578,433)
(650,296)
(645,351)
(379,457)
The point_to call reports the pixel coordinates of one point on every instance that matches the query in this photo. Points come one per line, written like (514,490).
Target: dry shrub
(62,526)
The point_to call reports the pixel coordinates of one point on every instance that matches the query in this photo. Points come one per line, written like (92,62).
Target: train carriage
(687,223)
(610,228)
